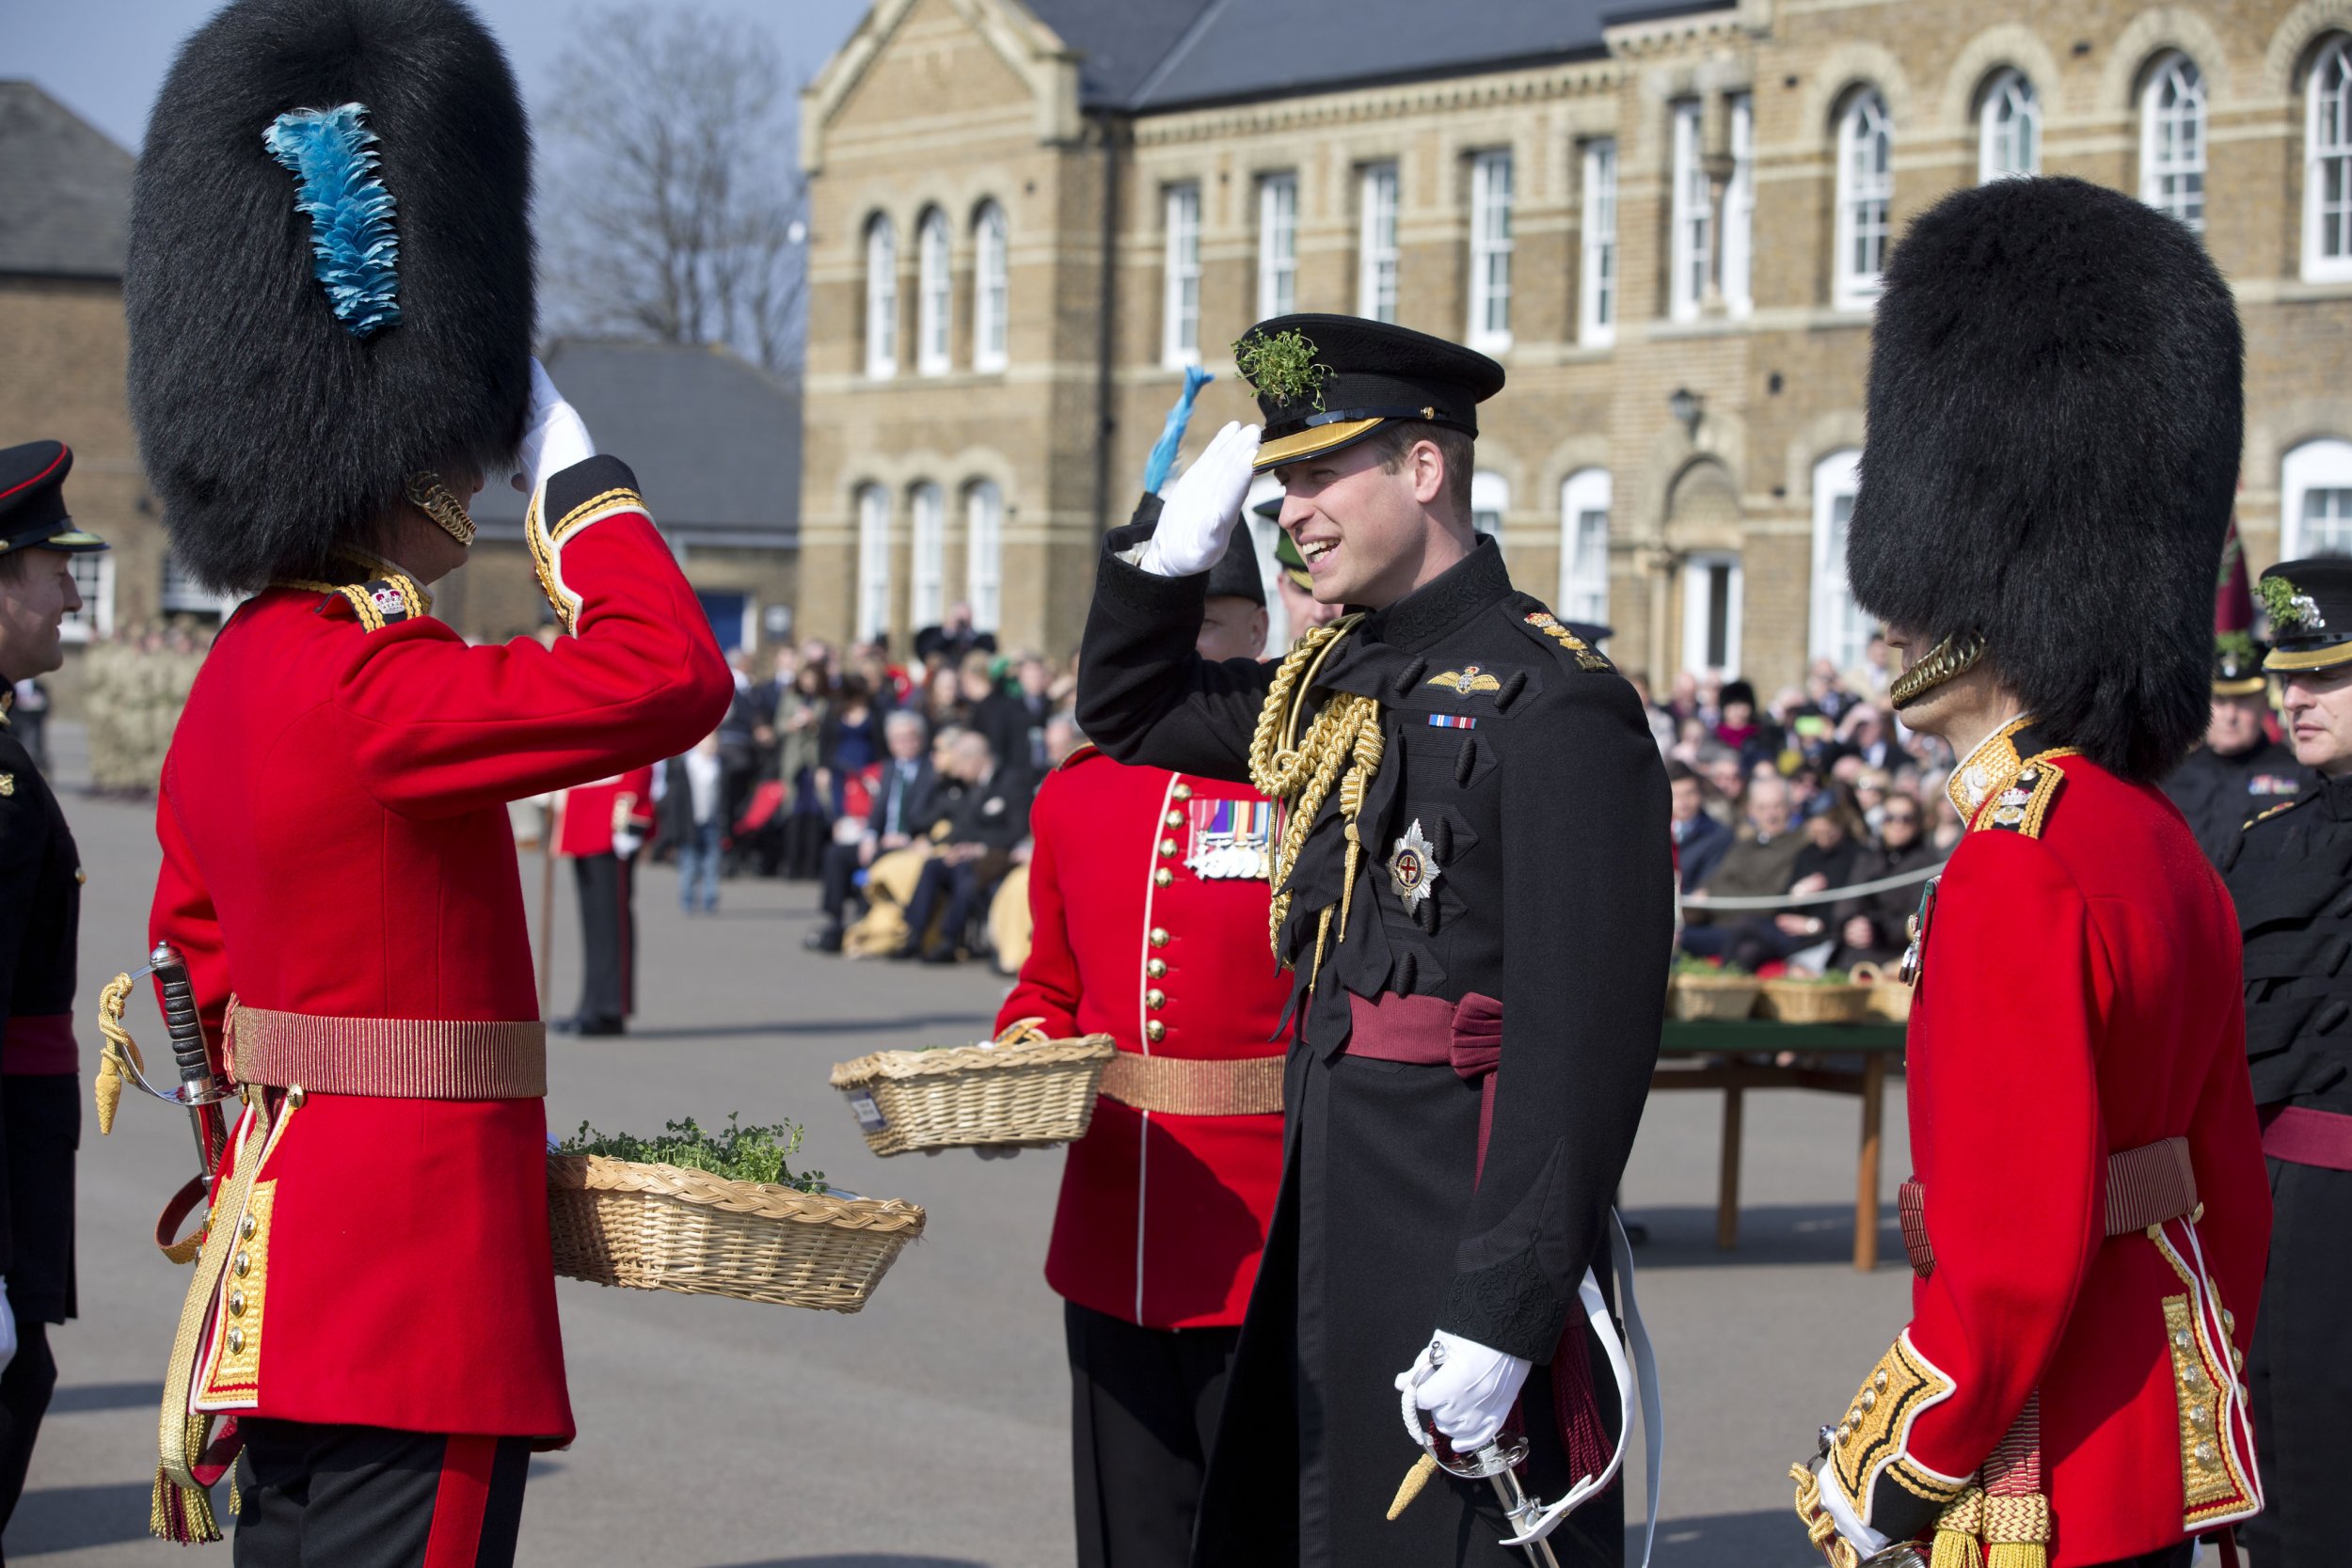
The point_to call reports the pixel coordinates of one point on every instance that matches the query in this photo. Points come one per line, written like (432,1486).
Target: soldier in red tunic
(601,826)
(329,294)
(2055,426)
(1149,893)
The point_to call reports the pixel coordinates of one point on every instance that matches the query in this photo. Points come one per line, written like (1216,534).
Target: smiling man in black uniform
(1473,890)
(40,913)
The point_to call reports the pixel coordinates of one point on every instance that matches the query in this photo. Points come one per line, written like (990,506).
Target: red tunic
(1162,1216)
(334,843)
(592,812)
(2079,996)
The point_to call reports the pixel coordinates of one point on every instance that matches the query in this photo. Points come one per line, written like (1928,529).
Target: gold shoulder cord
(1299,770)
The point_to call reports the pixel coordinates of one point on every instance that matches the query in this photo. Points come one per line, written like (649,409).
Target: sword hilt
(185,1026)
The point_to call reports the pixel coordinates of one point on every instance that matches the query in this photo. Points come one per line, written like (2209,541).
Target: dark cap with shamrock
(2310,612)
(1325,382)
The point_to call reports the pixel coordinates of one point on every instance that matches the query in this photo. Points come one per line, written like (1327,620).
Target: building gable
(911,60)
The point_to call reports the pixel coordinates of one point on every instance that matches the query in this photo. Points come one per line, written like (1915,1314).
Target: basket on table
(1023,1089)
(1714,998)
(665,1227)
(1888,997)
(1816,1001)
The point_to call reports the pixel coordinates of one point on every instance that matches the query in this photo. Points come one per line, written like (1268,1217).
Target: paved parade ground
(929,1431)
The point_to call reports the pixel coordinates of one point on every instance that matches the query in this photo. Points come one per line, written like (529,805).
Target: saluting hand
(554,435)
(1197,514)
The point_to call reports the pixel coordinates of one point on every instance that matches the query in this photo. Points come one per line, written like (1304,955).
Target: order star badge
(1413,868)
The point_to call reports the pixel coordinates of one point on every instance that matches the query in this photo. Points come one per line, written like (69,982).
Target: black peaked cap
(2310,612)
(2055,417)
(1377,372)
(32,500)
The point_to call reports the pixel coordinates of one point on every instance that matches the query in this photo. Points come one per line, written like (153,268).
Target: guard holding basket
(330,292)
(1148,891)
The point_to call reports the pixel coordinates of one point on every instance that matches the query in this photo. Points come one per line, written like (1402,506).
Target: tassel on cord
(2018,1554)
(1409,1488)
(180,1514)
(1958,1532)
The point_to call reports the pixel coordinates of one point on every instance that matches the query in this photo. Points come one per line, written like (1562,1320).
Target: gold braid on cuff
(430,496)
(1954,656)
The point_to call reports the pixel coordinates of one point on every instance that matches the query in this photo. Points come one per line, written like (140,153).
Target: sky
(104,59)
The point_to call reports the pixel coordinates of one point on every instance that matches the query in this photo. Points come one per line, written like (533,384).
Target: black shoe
(826,941)
(591,1027)
(905,950)
(941,954)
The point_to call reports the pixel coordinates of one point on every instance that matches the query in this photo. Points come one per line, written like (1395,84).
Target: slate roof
(715,441)
(1170,53)
(65,190)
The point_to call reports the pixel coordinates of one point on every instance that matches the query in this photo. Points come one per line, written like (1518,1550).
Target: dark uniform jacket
(2219,793)
(1524,763)
(994,812)
(40,913)
(2290,875)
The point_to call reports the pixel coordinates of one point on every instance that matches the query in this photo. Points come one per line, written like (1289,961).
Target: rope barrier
(1827,895)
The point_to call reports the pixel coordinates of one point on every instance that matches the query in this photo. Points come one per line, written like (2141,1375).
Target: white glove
(1199,513)
(1465,1387)
(1865,1541)
(554,436)
(8,1328)
(626,844)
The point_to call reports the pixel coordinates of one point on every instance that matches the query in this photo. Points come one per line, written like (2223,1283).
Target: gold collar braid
(1299,770)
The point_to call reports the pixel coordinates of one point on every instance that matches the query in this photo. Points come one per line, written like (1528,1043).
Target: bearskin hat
(329,281)
(2055,417)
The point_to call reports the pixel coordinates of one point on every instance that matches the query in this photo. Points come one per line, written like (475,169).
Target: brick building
(1667,224)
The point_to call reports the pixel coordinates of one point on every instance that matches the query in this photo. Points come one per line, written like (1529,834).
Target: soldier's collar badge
(1413,868)
(1465,681)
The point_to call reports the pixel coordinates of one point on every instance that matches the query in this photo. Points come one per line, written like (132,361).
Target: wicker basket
(1815,1002)
(1028,1091)
(1714,998)
(1888,998)
(662,1227)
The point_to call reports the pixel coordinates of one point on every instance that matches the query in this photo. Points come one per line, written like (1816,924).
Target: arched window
(1584,545)
(2315,499)
(882,296)
(2172,139)
(1866,190)
(873,563)
(1490,499)
(1840,630)
(2327,163)
(2008,128)
(984,553)
(992,291)
(926,590)
(934,288)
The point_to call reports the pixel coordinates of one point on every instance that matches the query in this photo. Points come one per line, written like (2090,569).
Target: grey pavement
(929,1431)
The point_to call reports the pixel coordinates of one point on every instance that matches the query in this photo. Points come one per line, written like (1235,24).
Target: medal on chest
(1231,840)
(1915,956)
(1413,869)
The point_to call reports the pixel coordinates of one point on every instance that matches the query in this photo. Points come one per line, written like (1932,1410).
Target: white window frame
(1180,293)
(1837,628)
(984,553)
(1490,502)
(881,297)
(2325,464)
(1698,570)
(1375,242)
(873,562)
(1692,250)
(992,289)
(1584,500)
(1597,281)
(1865,198)
(1738,216)
(934,292)
(2328,150)
(178,592)
(94,575)
(2008,127)
(1277,244)
(2172,139)
(1490,246)
(926,555)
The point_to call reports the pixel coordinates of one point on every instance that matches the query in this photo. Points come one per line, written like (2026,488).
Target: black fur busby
(2056,412)
(288,369)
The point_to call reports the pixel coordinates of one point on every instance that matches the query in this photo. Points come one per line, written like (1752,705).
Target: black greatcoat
(1553,895)
(41,1112)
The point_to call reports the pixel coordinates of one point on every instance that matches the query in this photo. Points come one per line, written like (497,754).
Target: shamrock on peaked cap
(329,280)
(1327,381)
(2055,415)
(2310,603)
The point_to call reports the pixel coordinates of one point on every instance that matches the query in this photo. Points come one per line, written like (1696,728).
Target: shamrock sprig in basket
(718,1214)
(1703,991)
(1021,1089)
(1829,997)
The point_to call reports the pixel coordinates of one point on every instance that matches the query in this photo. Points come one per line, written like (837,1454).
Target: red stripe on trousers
(458,1505)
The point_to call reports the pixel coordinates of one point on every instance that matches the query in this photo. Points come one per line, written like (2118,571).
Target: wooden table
(1736,1057)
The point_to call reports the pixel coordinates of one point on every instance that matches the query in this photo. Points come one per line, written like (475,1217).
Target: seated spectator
(1700,841)
(906,804)
(954,637)
(1868,731)
(974,849)
(1012,721)
(1721,769)
(1061,739)
(1876,926)
(848,742)
(1761,863)
(691,816)
(942,701)
(1737,725)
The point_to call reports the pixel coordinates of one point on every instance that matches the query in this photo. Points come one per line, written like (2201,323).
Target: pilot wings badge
(1465,681)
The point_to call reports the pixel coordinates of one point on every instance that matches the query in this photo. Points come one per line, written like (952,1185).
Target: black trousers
(608,932)
(358,1496)
(25,1390)
(1143,1409)
(965,885)
(838,876)
(2301,1373)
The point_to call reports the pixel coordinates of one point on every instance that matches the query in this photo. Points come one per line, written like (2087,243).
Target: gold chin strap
(430,496)
(1299,770)
(1954,656)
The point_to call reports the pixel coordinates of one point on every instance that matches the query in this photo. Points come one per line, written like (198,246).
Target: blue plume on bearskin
(330,153)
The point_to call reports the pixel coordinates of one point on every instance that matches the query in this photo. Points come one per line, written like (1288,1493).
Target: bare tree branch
(672,199)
